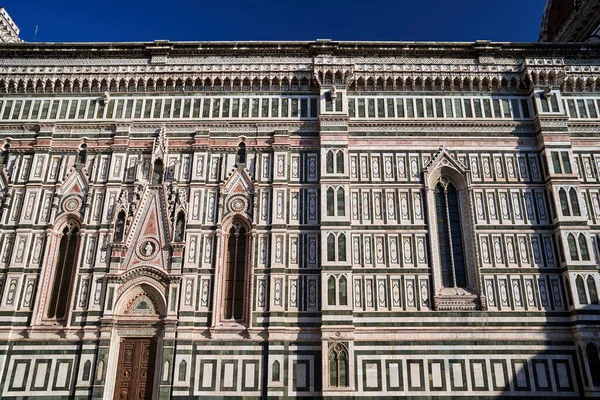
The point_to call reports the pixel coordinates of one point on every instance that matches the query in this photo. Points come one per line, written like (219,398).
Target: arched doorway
(136,344)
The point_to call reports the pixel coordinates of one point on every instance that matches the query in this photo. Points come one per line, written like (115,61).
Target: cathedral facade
(299,219)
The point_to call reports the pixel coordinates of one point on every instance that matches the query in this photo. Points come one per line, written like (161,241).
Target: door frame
(141,331)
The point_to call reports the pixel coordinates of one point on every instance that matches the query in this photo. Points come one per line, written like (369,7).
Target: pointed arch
(179,235)
(343,291)
(591,285)
(182,371)
(339,162)
(64,271)
(331,247)
(564,203)
(574,202)
(235,274)
(329,162)
(330,199)
(331,291)
(583,247)
(341,247)
(571,242)
(580,290)
(341,202)
(339,373)
(275,371)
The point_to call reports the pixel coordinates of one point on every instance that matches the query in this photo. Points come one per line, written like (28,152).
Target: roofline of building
(306,48)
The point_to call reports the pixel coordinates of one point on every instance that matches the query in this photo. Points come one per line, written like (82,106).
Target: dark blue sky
(201,20)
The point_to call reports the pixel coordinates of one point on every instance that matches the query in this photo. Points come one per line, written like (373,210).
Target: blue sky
(200,20)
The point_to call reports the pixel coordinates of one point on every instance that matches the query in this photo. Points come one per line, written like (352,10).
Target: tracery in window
(334,161)
(64,272)
(338,365)
(233,299)
(450,235)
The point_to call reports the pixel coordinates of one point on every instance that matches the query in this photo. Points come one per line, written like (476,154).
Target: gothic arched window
(338,366)
(342,247)
(592,290)
(574,202)
(581,290)
(275,371)
(331,247)
(233,301)
(572,247)
(339,162)
(330,201)
(63,272)
(452,258)
(564,203)
(343,291)
(329,162)
(331,291)
(341,206)
(583,248)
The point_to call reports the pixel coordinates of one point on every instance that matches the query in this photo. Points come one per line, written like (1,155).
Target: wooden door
(135,371)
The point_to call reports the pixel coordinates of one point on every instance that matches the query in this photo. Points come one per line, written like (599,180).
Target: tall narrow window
(158,172)
(566,162)
(63,274)
(329,162)
(233,304)
(593,363)
(572,247)
(564,203)
(241,154)
(556,162)
(275,371)
(339,162)
(592,290)
(341,205)
(331,247)
(583,248)
(331,291)
(342,247)
(81,157)
(338,366)
(449,236)
(343,291)
(120,227)
(574,202)
(580,290)
(182,371)
(330,201)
